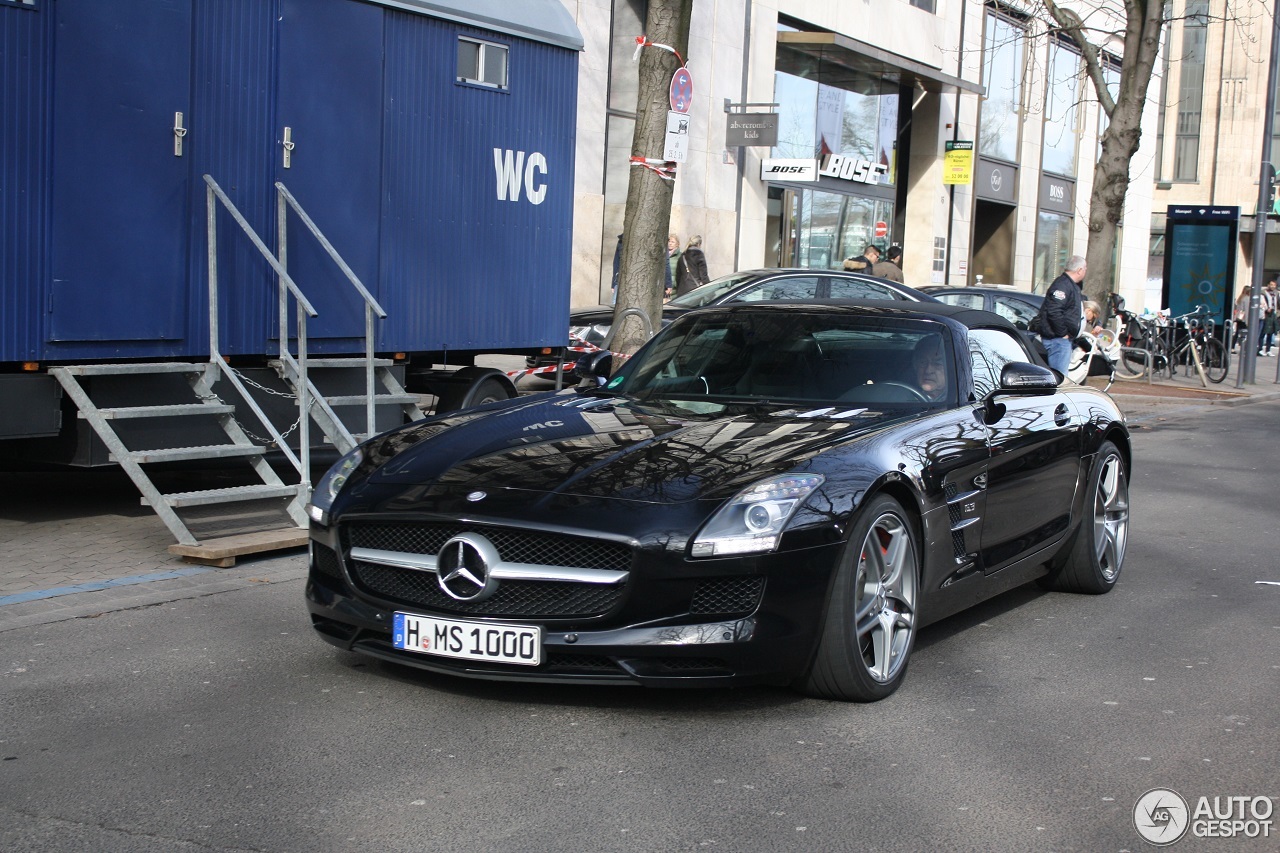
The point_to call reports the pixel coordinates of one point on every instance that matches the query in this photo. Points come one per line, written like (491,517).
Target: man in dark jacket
(1060,316)
(863,262)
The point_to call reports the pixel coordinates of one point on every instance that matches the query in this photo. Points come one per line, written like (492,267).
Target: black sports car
(768,492)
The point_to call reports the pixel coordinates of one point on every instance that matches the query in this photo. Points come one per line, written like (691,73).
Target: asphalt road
(1034,722)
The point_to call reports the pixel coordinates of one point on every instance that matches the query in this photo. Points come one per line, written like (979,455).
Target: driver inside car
(930,365)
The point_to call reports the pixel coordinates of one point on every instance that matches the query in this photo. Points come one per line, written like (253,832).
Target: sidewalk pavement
(78,542)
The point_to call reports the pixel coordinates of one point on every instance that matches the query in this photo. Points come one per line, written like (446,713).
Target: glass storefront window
(819,224)
(859,118)
(818,230)
(1002,77)
(1053,247)
(1186,144)
(1061,111)
(856,230)
(797,101)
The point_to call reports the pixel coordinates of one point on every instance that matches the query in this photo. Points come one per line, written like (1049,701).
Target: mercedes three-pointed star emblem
(464,567)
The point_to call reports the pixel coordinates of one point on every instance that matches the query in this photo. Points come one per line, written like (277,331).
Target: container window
(23,4)
(482,63)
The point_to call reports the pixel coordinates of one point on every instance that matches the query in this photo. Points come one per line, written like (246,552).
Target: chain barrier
(267,442)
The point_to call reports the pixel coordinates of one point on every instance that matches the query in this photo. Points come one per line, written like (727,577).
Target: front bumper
(677,622)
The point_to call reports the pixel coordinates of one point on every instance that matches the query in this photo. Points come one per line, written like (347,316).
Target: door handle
(287,145)
(178,133)
(1060,415)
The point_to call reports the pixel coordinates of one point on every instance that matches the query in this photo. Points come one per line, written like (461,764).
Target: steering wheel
(915,392)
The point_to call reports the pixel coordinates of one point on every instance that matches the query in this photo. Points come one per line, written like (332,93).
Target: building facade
(871,94)
(1210,125)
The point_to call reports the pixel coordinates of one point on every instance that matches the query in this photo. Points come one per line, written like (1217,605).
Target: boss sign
(514,170)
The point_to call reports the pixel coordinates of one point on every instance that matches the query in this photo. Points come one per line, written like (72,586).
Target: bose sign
(789,170)
(834,166)
(852,169)
(514,170)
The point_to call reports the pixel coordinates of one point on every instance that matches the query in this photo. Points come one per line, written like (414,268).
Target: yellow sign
(957,165)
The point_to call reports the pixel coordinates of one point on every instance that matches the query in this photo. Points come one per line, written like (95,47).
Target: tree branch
(1069,22)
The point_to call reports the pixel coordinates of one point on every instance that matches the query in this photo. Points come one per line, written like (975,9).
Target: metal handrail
(371,306)
(305,309)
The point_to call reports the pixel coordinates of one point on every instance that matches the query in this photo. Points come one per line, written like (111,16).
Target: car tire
(1096,554)
(871,619)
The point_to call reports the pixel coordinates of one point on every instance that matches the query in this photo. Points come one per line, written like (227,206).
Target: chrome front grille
(528,599)
(517,546)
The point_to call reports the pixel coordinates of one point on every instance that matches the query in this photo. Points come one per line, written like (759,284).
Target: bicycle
(1141,341)
(1188,340)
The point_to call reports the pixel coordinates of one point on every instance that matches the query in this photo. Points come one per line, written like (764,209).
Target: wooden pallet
(222,552)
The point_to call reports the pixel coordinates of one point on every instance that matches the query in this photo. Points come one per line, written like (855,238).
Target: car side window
(1015,311)
(964,300)
(799,287)
(852,288)
(989,351)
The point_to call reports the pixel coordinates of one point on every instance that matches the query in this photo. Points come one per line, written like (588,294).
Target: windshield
(711,361)
(711,291)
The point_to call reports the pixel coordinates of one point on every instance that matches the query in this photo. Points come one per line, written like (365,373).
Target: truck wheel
(489,391)
(471,386)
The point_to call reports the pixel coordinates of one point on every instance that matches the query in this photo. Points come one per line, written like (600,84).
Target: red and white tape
(576,344)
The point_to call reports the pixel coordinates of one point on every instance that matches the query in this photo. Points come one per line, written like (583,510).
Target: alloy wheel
(885,609)
(1111,516)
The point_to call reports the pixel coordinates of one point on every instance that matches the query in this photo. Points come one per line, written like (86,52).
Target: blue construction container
(432,141)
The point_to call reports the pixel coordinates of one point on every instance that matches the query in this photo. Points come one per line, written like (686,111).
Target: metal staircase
(326,406)
(304,378)
(76,381)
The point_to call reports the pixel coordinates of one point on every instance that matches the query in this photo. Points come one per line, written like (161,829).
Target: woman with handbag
(692,267)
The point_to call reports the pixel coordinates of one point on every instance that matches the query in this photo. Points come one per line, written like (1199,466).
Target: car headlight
(330,484)
(753,521)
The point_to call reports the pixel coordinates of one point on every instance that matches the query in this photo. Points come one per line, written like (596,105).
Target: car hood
(599,447)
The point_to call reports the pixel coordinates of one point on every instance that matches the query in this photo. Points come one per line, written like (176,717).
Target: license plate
(453,638)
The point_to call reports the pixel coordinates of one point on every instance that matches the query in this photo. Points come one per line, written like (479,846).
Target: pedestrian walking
(863,262)
(673,260)
(1268,312)
(1240,315)
(891,266)
(692,267)
(617,269)
(1060,317)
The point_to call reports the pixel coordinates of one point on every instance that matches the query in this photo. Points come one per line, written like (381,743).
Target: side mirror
(1021,379)
(595,366)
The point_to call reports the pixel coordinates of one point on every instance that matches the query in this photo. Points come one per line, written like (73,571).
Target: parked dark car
(1016,306)
(766,492)
(592,324)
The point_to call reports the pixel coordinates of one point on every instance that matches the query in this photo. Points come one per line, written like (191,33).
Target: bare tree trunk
(1143,23)
(648,217)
